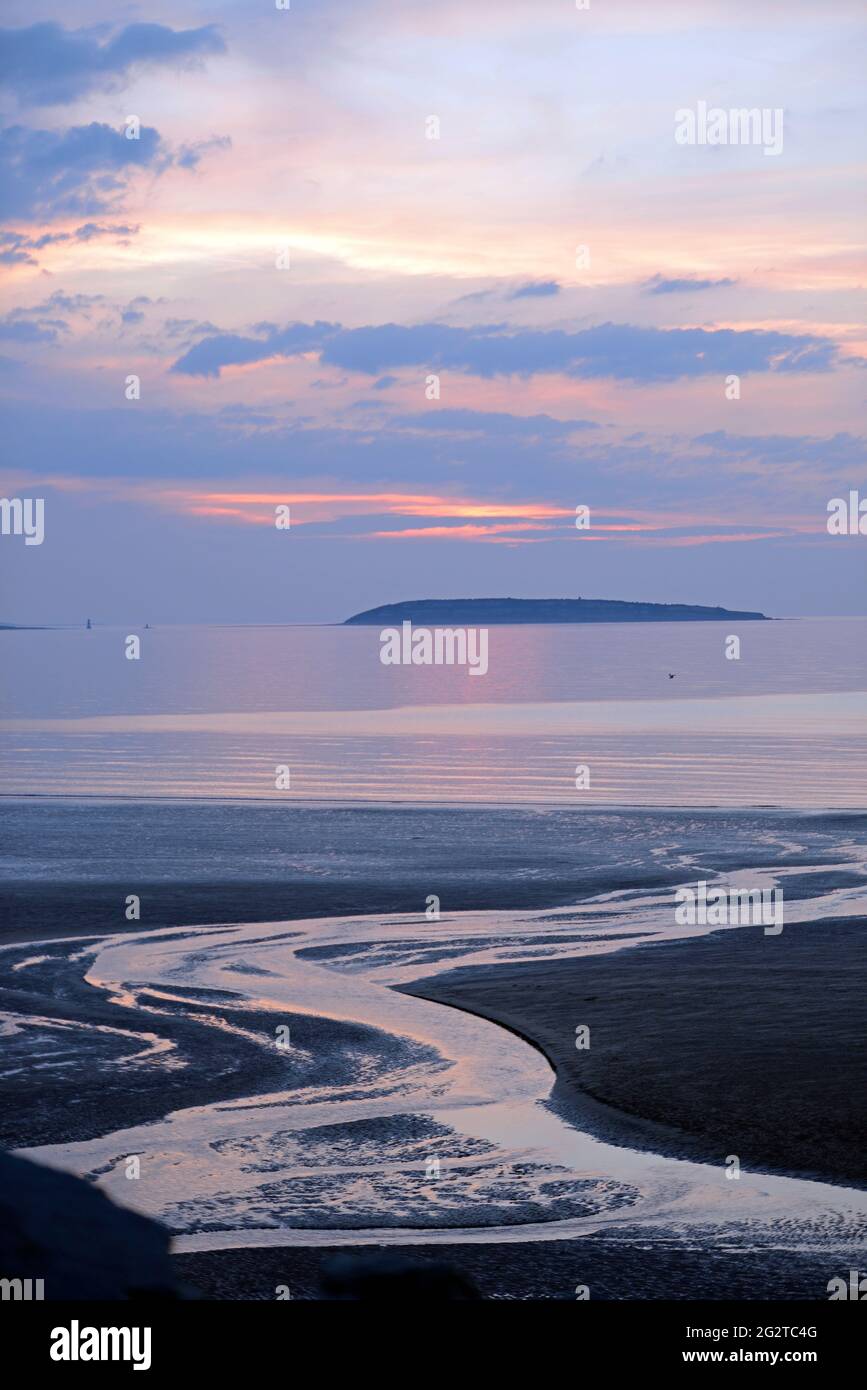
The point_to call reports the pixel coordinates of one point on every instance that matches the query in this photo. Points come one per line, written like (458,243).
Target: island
(499,611)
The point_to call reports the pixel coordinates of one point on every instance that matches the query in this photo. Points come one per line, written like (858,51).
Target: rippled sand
(281,1089)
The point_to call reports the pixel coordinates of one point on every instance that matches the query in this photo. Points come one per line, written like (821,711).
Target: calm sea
(215,711)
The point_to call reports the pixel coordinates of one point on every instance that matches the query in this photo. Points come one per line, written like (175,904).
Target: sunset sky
(566,377)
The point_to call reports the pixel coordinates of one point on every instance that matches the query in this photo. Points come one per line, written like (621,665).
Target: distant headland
(494,611)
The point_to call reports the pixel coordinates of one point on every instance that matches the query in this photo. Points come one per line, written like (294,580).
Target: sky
(433,275)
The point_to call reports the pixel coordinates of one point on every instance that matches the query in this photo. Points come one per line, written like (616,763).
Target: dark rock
(57,1228)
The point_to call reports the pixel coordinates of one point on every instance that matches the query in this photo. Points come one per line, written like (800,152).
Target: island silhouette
(493,611)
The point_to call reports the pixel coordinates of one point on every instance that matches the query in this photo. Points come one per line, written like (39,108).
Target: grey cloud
(623,352)
(46,64)
(78,171)
(658,284)
(542,289)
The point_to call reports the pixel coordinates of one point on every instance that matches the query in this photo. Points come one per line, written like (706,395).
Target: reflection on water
(213,711)
(198,669)
(639,770)
(349,1157)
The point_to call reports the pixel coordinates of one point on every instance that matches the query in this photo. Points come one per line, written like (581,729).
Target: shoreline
(536,1012)
(72,862)
(385,804)
(623,1263)
(539,862)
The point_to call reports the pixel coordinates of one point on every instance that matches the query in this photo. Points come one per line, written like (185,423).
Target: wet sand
(735,1043)
(708,1048)
(625,1268)
(731,1044)
(69,865)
